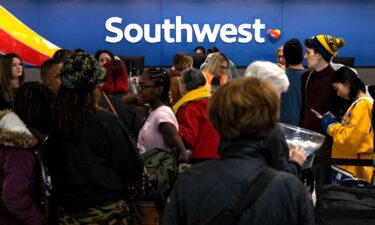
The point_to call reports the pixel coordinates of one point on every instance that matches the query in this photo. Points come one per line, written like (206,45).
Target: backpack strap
(255,190)
(231,217)
(109,103)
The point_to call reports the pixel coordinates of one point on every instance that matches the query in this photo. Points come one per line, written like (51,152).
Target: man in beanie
(318,94)
(291,100)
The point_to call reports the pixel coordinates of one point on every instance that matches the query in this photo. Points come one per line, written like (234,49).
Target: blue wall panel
(81,24)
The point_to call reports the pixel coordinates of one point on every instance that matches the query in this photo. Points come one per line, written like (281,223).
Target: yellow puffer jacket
(353,137)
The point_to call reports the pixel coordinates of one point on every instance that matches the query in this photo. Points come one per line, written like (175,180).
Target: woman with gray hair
(279,155)
(269,71)
(191,112)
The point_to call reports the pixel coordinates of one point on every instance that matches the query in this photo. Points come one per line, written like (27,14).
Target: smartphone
(316,113)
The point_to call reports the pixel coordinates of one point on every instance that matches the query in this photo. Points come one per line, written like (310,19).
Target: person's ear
(44,80)
(183,90)
(347,83)
(319,55)
(159,90)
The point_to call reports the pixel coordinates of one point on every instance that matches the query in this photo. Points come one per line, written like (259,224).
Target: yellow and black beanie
(327,45)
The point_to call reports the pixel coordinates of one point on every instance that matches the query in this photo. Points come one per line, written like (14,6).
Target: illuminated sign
(244,30)
(228,33)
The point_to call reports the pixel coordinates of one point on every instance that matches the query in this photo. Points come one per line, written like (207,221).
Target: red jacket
(196,131)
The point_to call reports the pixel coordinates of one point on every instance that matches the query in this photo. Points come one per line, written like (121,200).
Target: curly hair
(33,104)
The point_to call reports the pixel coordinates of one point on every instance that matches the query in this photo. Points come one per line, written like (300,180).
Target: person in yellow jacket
(353,136)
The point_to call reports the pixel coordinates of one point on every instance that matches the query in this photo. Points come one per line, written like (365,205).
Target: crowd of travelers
(73,146)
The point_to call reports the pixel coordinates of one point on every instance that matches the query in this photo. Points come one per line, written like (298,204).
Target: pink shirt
(149,136)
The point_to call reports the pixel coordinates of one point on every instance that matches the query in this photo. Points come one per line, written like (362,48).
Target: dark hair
(99,52)
(309,44)
(62,54)
(192,79)
(293,52)
(78,94)
(47,65)
(72,107)
(6,74)
(213,49)
(200,48)
(33,104)
(346,74)
(117,77)
(161,78)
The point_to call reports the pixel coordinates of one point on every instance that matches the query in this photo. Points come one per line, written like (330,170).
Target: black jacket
(131,121)
(207,188)
(95,167)
(277,153)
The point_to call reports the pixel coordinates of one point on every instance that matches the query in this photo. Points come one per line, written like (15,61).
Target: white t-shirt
(149,136)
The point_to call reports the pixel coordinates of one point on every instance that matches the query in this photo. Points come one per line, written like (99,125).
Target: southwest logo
(17,37)
(273,35)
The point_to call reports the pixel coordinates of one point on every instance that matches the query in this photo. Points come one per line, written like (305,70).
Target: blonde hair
(254,109)
(182,61)
(215,60)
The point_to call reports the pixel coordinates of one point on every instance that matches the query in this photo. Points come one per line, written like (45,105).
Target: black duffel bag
(351,203)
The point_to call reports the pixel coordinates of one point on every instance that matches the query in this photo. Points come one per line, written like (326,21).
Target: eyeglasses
(224,67)
(141,87)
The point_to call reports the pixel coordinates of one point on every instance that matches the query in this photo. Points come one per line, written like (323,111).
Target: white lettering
(257,26)
(184,32)
(167,27)
(110,28)
(135,27)
(206,31)
(157,36)
(183,26)
(244,30)
(228,30)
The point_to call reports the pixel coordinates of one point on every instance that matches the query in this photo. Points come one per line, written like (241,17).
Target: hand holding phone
(316,113)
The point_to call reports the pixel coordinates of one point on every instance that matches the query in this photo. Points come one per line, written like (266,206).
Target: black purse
(231,216)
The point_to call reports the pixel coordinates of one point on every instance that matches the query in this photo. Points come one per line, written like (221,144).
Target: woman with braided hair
(160,129)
